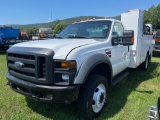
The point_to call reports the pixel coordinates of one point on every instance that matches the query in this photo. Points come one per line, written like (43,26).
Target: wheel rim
(99,98)
(147,62)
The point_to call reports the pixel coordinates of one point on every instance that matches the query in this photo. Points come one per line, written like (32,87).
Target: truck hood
(61,47)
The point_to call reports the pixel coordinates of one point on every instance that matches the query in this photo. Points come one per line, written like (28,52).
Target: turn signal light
(64,65)
(69,64)
(132,40)
(73,65)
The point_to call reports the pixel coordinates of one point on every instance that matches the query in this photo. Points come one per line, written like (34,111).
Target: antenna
(51,17)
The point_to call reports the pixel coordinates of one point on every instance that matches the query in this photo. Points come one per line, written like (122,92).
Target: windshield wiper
(79,37)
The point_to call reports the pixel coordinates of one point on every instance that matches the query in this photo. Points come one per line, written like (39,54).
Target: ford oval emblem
(18,64)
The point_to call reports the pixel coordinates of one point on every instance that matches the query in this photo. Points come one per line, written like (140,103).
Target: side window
(118,29)
(146,29)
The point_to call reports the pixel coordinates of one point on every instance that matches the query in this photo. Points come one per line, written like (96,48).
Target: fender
(88,65)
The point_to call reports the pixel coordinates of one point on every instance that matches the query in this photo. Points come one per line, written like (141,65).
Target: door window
(118,29)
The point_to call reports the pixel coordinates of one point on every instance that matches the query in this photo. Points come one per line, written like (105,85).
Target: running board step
(119,77)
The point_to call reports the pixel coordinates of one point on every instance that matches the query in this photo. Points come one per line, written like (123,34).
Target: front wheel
(93,96)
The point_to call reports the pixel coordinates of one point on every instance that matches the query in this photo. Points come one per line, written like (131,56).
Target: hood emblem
(18,64)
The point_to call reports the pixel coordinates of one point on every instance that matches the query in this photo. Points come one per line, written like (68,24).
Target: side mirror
(126,39)
(115,39)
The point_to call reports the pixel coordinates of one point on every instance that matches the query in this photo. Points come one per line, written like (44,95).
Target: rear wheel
(144,65)
(150,58)
(158,107)
(93,96)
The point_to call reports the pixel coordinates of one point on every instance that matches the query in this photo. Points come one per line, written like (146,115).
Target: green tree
(55,23)
(59,27)
(31,30)
(158,16)
(153,16)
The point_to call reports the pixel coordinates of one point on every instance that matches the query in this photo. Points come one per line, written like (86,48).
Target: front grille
(14,71)
(42,67)
(34,67)
(27,70)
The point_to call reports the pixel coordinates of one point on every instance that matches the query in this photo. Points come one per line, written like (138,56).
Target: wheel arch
(97,64)
(102,69)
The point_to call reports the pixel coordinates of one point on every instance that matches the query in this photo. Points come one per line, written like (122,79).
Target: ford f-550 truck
(82,63)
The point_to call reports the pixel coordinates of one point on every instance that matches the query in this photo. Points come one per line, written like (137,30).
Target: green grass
(128,100)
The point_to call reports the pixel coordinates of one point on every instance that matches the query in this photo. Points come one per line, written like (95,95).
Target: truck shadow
(116,100)
(55,111)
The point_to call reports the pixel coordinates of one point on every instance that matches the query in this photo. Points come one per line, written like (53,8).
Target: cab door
(120,55)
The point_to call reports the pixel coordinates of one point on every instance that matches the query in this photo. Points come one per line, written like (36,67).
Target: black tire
(88,90)
(150,58)
(144,65)
(158,108)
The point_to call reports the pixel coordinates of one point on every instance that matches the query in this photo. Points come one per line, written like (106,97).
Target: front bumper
(56,94)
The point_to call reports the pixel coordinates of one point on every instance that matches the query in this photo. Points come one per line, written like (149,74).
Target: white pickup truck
(82,63)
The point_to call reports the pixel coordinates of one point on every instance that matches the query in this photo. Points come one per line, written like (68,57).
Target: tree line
(57,26)
(152,16)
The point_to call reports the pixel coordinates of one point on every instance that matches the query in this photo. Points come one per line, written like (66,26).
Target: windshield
(90,29)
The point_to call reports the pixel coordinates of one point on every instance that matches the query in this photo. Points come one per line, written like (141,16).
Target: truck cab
(82,63)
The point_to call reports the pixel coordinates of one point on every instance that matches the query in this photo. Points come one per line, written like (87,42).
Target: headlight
(65,77)
(64,72)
